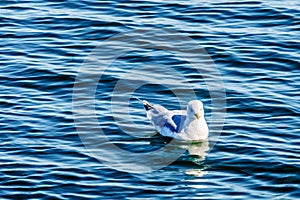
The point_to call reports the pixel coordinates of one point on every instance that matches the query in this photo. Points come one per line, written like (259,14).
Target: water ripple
(254,44)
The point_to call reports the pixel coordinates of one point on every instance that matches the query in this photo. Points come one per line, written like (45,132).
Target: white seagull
(186,124)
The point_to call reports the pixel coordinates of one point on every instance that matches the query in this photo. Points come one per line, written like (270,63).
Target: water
(254,45)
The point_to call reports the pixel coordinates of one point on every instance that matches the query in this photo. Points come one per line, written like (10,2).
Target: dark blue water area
(44,47)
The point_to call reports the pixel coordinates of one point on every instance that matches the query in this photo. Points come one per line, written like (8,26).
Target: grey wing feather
(157,115)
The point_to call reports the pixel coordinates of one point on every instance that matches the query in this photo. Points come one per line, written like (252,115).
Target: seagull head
(195,109)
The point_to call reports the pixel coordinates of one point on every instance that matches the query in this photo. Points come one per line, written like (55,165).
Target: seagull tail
(146,104)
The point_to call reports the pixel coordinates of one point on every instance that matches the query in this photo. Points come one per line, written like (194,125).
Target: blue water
(255,47)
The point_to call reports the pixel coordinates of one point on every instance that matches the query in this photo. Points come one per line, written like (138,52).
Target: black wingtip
(147,106)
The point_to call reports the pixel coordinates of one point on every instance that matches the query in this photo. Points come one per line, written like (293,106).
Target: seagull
(188,125)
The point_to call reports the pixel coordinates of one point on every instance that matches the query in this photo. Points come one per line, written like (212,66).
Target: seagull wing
(175,123)
(157,115)
(167,123)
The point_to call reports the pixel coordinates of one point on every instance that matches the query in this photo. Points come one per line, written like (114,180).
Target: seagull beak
(197,115)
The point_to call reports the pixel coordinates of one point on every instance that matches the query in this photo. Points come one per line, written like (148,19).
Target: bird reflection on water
(193,158)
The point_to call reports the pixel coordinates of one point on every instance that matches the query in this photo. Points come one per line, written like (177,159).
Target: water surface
(255,46)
